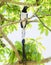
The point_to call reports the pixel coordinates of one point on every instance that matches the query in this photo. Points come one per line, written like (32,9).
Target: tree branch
(35,12)
(17,3)
(21,3)
(2,18)
(44,15)
(14,22)
(43,23)
(11,44)
(2,2)
(46,60)
(39,16)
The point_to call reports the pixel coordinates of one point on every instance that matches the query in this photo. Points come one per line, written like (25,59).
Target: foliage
(3,52)
(32,49)
(31,2)
(11,12)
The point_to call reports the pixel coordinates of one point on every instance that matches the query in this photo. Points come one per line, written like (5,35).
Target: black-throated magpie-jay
(24,15)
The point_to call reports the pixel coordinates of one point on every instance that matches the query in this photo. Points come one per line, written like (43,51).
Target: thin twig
(43,23)
(11,22)
(35,12)
(44,15)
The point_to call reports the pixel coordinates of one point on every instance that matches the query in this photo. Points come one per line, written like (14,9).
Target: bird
(23,16)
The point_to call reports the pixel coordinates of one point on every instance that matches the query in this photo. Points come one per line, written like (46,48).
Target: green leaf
(46,32)
(12,57)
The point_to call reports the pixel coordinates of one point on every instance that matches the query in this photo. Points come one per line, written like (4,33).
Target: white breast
(23,16)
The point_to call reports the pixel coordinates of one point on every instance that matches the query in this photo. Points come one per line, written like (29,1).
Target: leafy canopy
(11,12)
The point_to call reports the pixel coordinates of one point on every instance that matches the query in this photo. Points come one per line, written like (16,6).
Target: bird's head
(25,9)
